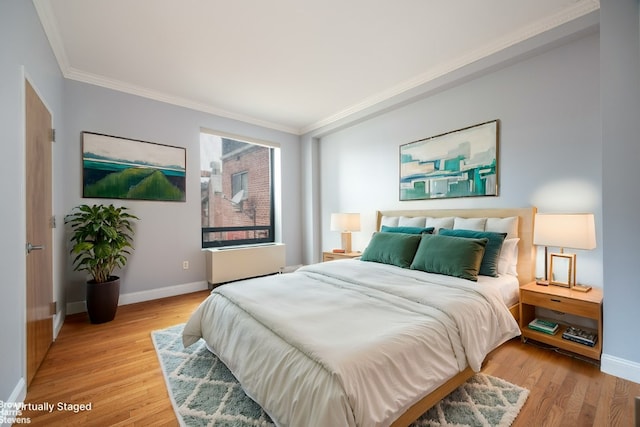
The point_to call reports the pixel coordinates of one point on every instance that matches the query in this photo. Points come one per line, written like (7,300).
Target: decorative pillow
(417,221)
(391,221)
(392,248)
(453,256)
(438,223)
(508,260)
(476,224)
(407,229)
(489,265)
(503,225)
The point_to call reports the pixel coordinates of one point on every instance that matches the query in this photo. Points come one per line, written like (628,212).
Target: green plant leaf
(100,235)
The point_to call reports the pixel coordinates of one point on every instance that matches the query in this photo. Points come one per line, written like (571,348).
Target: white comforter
(348,342)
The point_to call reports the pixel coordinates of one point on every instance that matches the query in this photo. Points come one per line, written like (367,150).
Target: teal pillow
(392,248)
(408,230)
(489,265)
(453,256)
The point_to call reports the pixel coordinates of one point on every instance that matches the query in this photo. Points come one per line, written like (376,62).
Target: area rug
(205,393)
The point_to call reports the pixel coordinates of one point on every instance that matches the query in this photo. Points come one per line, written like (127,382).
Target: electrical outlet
(185,265)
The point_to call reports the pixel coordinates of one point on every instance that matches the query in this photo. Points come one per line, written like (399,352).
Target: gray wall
(549,151)
(168,232)
(23,49)
(620,88)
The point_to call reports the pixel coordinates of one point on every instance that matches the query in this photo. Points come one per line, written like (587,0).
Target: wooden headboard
(526,250)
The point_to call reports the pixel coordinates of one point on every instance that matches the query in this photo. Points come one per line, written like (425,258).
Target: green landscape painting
(120,168)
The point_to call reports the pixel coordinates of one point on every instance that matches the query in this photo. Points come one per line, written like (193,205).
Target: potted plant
(101,238)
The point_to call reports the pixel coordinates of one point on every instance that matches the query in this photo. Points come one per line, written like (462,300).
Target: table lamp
(345,223)
(575,231)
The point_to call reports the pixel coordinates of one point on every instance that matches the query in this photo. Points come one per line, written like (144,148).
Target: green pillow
(453,256)
(392,248)
(406,229)
(489,265)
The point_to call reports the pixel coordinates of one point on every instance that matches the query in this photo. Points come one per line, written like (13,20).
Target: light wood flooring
(114,367)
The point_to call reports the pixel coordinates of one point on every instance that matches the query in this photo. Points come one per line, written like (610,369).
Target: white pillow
(417,221)
(391,221)
(438,223)
(475,224)
(508,258)
(503,225)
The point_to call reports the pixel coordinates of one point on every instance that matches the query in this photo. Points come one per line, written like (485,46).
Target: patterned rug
(205,393)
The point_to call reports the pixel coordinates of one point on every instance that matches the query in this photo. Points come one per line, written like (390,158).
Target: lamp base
(339,251)
(346,241)
(581,288)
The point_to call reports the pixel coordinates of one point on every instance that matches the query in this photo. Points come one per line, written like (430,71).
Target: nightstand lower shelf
(556,340)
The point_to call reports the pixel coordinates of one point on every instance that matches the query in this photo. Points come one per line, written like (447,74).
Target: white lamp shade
(575,231)
(345,222)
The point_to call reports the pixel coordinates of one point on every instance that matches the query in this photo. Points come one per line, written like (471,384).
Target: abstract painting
(120,168)
(461,163)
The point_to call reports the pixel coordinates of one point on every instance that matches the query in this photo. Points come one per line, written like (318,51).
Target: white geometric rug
(205,393)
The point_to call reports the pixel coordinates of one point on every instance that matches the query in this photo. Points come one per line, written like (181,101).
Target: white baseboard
(17,396)
(134,297)
(169,291)
(58,321)
(620,368)
(76,307)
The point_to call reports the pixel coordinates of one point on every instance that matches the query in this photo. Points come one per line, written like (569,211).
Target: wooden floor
(114,367)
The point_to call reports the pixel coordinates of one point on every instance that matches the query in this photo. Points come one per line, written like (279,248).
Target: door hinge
(53,135)
(53,308)
(52,221)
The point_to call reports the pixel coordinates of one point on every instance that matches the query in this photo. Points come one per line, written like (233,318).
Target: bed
(365,342)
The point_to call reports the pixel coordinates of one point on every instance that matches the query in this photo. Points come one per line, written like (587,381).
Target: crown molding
(580,9)
(50,26)
(120,86)
(49,23)
(51,30)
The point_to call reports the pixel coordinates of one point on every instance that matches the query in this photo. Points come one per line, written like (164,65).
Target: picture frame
(120,168)
(562,270)
(460,163)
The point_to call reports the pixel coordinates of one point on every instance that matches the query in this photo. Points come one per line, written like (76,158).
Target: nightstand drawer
(332,256)
(561,304)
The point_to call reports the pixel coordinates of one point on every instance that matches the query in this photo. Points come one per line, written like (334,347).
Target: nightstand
(564,300)
(332,256)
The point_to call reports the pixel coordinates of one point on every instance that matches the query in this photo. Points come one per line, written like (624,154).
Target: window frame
(270,228)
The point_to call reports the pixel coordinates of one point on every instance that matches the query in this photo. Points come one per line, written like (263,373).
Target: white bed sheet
(349,342)
(506,284)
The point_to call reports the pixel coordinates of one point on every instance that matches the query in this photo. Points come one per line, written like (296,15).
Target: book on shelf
(545,326)
(580,336)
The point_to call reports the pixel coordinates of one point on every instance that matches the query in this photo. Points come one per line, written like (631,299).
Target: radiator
(235,263)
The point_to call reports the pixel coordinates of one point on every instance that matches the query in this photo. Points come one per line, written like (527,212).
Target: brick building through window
(237,194)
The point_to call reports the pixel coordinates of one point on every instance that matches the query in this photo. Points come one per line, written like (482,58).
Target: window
(236,187)
(239,187)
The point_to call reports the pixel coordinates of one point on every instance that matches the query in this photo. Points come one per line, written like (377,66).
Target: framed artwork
(120,168)
(461,163)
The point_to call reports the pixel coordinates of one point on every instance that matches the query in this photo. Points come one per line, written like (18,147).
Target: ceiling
(291,65)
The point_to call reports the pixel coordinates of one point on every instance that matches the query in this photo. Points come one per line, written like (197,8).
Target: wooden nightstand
(332,256)
(564,300)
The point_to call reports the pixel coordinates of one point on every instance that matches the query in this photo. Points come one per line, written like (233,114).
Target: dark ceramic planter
(102,300)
